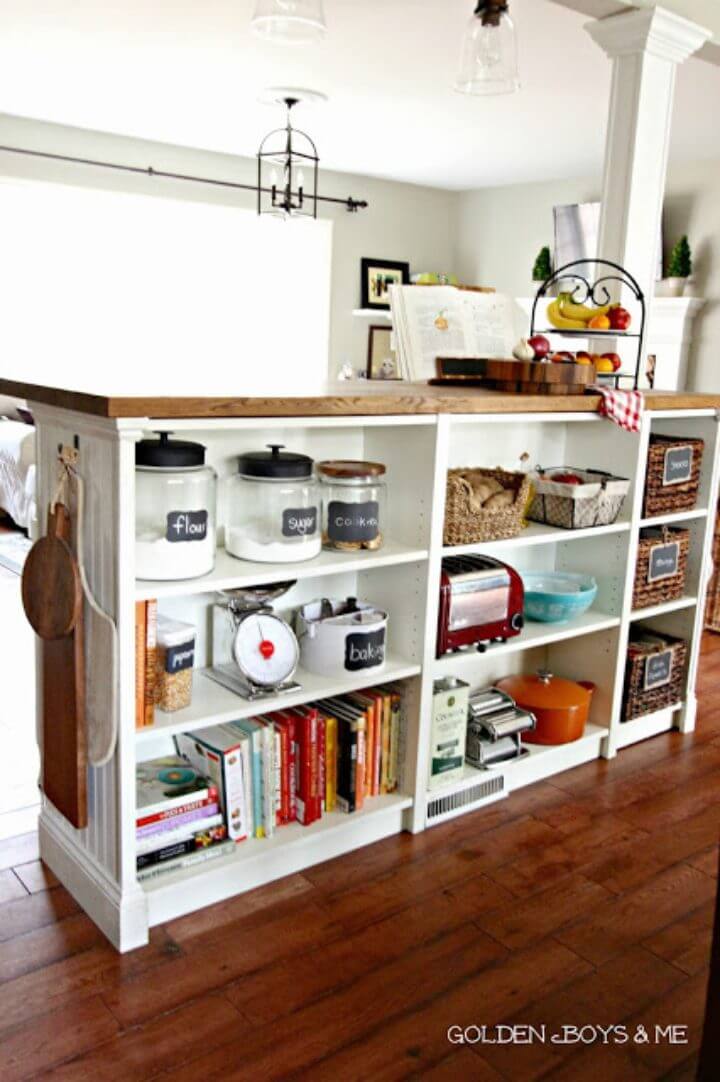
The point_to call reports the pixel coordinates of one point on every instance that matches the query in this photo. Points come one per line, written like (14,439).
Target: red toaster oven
(481,600)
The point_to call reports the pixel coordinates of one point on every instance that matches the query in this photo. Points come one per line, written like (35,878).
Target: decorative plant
(680,265)
(543,265)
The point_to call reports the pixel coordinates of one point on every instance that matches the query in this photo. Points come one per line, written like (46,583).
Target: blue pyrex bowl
(554,597)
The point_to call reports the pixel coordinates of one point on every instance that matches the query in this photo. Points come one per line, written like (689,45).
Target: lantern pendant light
(489,56)
(288,171)
(297,22)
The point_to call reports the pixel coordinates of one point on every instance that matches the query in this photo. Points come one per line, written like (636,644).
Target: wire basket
(597,501)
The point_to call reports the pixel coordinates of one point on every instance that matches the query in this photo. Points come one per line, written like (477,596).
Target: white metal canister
(341,636)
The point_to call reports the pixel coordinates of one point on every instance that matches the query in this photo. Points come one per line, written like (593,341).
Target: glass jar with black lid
(175,498)
(273,507)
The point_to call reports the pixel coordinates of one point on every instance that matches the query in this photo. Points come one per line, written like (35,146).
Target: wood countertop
(340,400)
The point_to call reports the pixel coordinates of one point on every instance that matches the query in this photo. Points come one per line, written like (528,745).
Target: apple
(583,357)
(562,357)
(605,366)
(620,318)
(616,360)
(566,478)
(540,346)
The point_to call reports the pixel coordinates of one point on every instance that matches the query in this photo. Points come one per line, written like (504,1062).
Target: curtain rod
(351,204)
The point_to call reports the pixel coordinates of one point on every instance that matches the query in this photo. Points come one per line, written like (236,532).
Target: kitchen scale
(255,651)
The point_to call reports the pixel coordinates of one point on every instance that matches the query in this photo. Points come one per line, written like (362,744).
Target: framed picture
(382,360)
(376,277)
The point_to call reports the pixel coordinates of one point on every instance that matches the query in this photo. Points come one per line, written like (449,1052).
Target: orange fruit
(599,323)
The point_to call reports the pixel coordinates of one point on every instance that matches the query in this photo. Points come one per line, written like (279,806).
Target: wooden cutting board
(517,377)
(52,597)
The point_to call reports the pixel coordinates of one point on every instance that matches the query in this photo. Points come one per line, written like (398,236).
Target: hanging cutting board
(515,377)
(52,599)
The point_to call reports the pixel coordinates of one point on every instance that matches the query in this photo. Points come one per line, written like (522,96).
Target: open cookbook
(442,321)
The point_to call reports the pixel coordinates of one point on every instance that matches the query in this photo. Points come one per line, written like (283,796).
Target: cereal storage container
(174,667)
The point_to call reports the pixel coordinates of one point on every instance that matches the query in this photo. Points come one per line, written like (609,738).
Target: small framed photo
(376,278)
(382,359)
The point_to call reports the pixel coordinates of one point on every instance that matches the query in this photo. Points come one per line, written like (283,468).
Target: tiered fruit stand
(608,286)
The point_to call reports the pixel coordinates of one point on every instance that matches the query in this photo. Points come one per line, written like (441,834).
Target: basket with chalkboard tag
(673,475)
(661,566)
(654,672)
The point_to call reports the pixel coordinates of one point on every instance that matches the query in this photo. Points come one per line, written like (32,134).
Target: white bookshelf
(98,863)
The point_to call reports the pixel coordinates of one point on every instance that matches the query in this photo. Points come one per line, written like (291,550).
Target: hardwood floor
(585,902)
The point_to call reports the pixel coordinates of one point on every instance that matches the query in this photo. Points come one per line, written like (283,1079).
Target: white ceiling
(189,72)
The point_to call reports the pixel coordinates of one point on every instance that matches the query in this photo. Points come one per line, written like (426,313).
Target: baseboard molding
(122,918)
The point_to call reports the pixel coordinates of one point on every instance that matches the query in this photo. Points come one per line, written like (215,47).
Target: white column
(645,47)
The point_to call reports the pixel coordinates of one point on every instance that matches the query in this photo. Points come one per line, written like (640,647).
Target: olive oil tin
(449,731)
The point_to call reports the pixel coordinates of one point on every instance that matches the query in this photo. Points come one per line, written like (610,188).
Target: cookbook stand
(583,290)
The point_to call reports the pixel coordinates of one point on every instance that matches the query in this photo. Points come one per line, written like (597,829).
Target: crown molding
(654,31)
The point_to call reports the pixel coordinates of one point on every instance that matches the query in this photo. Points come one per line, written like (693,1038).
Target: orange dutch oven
(561,707)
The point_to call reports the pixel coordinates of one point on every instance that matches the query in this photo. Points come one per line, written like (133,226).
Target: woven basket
(639,699)
(662,496)
(664,587)
(465,526)
(712,606)
(596,502)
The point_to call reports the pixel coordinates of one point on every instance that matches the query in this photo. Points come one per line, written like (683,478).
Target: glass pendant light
(295,21)
(489,57)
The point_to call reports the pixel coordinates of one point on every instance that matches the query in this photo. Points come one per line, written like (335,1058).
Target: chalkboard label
(364,650)
(299,521)
(187,525)
(678,465)
(353,521)
(658,670)
(179,657)
(664,560)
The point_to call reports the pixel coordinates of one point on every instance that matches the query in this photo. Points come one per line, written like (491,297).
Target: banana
(569,310)
(561,322)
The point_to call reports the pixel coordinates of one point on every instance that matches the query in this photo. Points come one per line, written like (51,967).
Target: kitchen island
(419,433)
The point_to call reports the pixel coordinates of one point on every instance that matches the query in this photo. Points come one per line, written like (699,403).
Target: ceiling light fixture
(489,62)
(297,22)
(288,167)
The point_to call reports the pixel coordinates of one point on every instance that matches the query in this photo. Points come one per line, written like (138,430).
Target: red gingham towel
(623,408)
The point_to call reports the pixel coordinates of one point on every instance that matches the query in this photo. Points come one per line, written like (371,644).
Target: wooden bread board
(518,377)
(52,598)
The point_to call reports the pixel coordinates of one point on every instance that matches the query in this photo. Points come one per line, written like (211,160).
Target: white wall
(692,206)
(499,231)
(403,221)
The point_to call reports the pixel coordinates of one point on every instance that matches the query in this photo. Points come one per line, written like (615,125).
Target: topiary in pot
(679,267)
(542,269)
(543,265)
